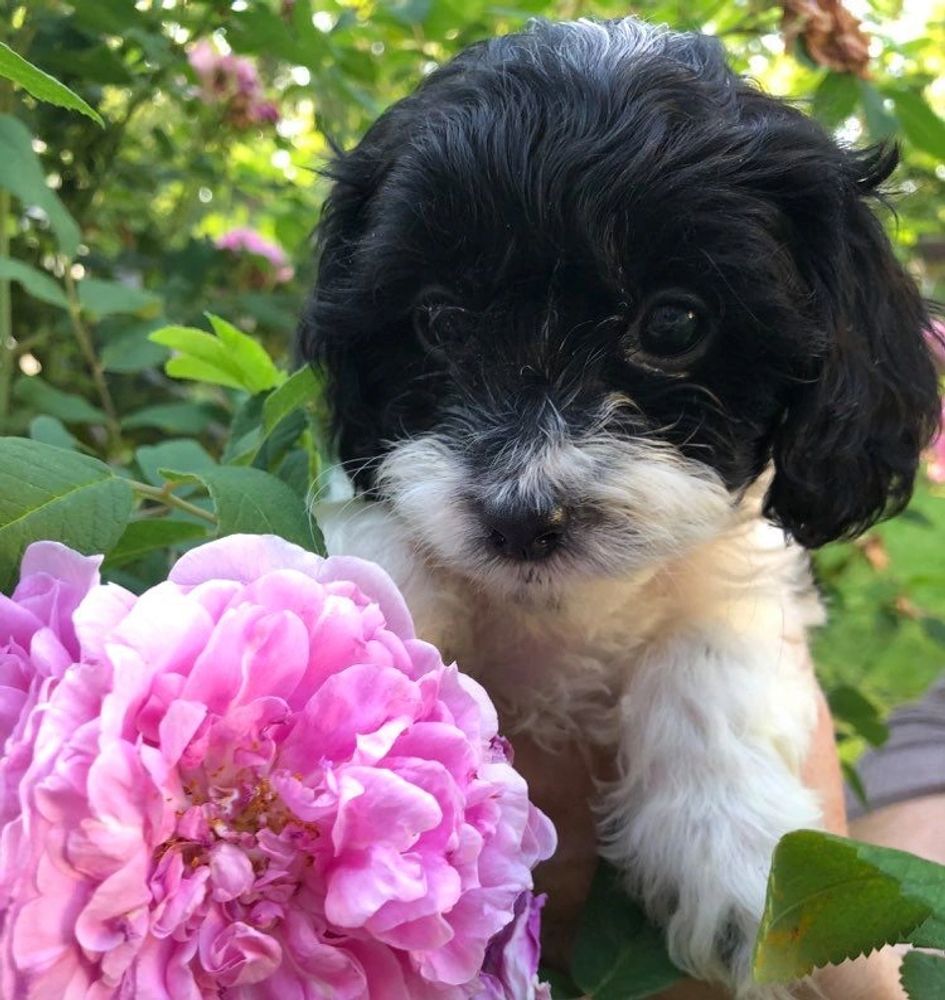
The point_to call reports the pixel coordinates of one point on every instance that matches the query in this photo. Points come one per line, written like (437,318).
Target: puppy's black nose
(527,533)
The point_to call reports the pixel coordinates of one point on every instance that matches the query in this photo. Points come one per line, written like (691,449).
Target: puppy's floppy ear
(847,450)
(331,331)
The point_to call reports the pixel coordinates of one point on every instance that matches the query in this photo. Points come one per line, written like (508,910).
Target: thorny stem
(86,345)
(163,494)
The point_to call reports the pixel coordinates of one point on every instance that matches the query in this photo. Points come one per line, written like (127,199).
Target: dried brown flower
(832,36)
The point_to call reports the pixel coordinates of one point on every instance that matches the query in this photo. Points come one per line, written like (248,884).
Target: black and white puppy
(612,336)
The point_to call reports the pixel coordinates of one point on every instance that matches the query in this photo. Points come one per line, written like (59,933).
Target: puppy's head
(579,290)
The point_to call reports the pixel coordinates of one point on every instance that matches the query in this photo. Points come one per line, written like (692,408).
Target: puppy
(612,338)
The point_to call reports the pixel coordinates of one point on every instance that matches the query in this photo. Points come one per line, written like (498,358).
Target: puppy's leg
(714,728)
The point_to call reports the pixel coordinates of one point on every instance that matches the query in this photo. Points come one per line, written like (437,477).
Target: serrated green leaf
(51,493)
(201,357)
(618,954)
(22,174)
(175,418)
(183,454)
(923,976)
(255,502)
(67,406)
(930,934)
(41,85)
(146,535)
(258,369)
(38,284)
(830,899)
(921,125)
(49,430)
(296,391)
(99,298)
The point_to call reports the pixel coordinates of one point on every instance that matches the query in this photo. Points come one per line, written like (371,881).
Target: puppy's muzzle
(523,533)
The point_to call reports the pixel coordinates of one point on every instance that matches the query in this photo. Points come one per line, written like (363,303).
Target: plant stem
(163,494)
(87,347)
(6,306)
(6,316)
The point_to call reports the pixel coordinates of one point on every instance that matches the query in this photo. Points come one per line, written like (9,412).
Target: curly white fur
(682,650)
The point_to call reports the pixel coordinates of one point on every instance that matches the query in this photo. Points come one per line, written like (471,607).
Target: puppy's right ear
(335,331)
(355,176)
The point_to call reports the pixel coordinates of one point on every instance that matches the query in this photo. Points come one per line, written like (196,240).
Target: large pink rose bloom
(259,783)
(37,644)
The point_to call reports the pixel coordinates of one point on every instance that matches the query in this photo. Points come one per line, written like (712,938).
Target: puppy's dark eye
(673,329)
(670,329)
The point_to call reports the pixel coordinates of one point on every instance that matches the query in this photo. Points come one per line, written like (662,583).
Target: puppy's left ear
(847,451)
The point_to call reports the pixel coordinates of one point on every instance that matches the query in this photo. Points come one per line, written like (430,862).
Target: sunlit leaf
(41,85)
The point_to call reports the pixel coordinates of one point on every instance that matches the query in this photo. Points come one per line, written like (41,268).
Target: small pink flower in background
(935,456)
(244,240)
(936,341)
(253,781)
(233,81)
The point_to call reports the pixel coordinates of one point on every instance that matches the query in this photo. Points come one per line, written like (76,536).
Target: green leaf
(130,350)
(835,98)
(618,954)
(41,85)
(296,391)
(879,122)
(921,125)
(175,418)
(50,493)
(923,976)
(934,628)
(830,899)
(22,174)
(930,934)
(49,430)
(36,282)
(854,708)
(254,502)
(181,454)
(230,358)
(148,534)
(101,298)
(259,370)
(562,988)
(67,406)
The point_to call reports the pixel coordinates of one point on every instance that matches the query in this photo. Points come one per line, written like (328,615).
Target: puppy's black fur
(492,246)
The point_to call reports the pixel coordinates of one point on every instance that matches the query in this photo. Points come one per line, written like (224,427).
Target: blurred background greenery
(201,191)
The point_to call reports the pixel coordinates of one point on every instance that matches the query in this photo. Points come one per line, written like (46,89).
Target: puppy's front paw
(715,943)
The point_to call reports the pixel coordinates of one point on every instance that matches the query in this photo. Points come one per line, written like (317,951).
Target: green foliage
(40,84)
(830,899)
(150,431)
(618,954)
(46,492)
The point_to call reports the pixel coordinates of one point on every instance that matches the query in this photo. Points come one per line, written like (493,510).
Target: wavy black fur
(523,204)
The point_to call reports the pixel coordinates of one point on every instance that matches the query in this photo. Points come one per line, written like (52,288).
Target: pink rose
(232,81)
(37,644)
(257,782)
(510,971)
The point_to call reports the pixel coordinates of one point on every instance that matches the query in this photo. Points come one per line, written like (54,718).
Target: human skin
(566,878)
